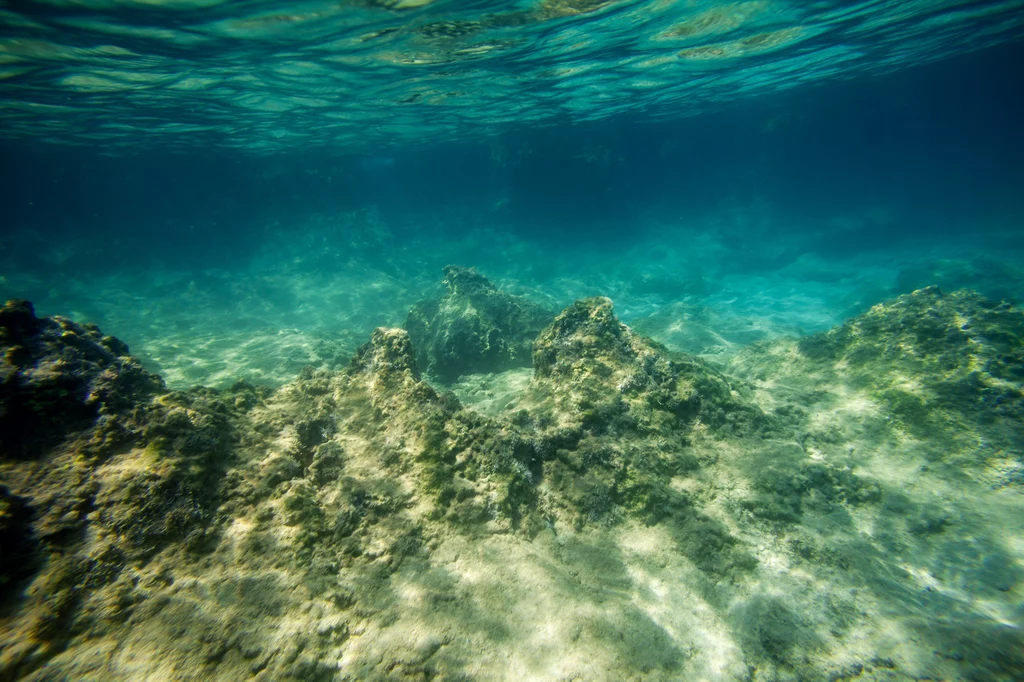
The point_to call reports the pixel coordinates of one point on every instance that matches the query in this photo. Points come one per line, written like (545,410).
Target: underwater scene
(554,340)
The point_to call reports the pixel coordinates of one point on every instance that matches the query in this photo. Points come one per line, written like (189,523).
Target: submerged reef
(474,327)
(632,513)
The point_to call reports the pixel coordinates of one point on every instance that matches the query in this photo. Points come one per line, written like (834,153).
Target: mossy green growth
(942,364)
(473,470)
(633,406)
(965,351)
(785,487)
(361,523)
(605,377)
(602,430)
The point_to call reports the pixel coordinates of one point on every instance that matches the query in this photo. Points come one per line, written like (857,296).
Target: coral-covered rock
(57,377)
(473,327)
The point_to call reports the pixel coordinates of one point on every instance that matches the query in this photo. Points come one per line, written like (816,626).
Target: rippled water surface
(272,75)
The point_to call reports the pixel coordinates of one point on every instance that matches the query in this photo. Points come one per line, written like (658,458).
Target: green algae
(944,366)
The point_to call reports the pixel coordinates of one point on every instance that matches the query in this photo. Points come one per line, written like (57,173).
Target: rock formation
(473,327)
(636,514)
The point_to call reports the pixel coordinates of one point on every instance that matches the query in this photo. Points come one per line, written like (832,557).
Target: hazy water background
(239,189)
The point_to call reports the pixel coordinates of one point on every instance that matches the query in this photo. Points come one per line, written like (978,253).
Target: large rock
(57,377)
(942,365)
(964,352)
(618,415)
(474,327)
(607,377)
(101,468)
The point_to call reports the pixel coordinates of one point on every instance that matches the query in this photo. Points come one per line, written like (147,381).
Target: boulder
(57,377)
(474,327)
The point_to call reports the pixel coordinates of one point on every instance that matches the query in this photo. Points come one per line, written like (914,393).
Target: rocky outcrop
(473,327)
(964,351)
(58,377)
(617,415)
(942,365)
(605,376)
(907,419)
(631,504)
(101,470)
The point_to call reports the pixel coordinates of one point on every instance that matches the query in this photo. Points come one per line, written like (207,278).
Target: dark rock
(57,377)
(474,327)
(18,318)
(16,538)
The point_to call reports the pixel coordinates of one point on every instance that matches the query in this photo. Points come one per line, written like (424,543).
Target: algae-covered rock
(617,415)
(903,468)
(604,376)
(930,326)
(102,469)
(631,514)
(57,377)
(473,327)
(942,366)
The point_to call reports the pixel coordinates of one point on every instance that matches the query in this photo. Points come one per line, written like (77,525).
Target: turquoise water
(239,189)
(269,77)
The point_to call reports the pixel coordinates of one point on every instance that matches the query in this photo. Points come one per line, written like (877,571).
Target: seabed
(496,489)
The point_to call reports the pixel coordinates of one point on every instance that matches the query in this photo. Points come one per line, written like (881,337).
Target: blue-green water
(233,175)
(273,77)
(204,178)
